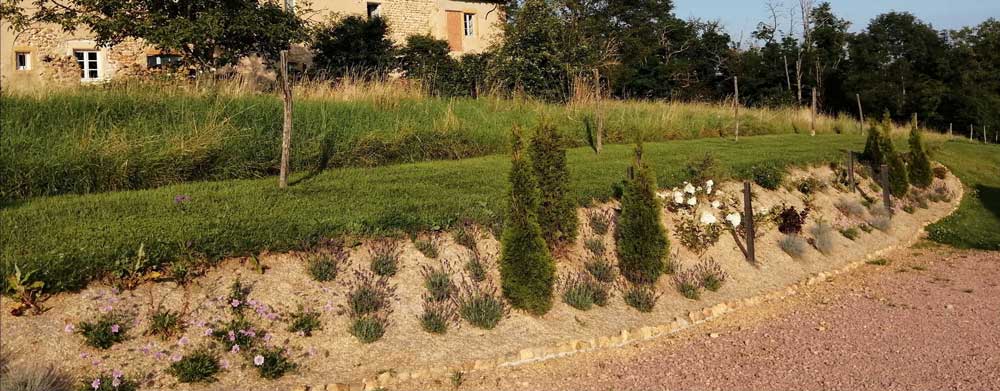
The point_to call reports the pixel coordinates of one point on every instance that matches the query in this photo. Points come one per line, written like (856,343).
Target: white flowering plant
(703,213)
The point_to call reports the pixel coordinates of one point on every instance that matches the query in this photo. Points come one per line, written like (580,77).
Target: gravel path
(929,320)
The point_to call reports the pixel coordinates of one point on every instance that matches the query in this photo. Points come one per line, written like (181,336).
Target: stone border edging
(626,336)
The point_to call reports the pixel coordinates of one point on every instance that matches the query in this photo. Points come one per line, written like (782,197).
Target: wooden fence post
(812,120)
(748,218)
(850,171)
(598,113)
(736,105)
(950,134)
(984,134)
(886,195)
(970,132)
(286,129)
(861,113)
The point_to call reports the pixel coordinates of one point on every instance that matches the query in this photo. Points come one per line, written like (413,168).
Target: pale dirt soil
(930,320)
(332,355)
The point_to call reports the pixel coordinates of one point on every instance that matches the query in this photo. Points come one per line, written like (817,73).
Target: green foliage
(354,46)
(368,294)
(710,275)
(920,164)
(595,246)
(437,316)
(108,382)
(600,222)
(239,292)
(368,328)
(385,255)
(878,262)
(305,322)
(165,323)
(809,185)
(466,236)
(765,174)
(199,366)
(324,265)
(476,267)
(688,283)
(850,233)
(975,224)
(235,332)
(601,269)
(427,59)
(108,329)
(641,238)
(556,208)
(26,290)
(427,247)
(479,305)
(700,170)
(527,270)
(873,153)
(642,297)
(437,282)
(582,291)
(275,362)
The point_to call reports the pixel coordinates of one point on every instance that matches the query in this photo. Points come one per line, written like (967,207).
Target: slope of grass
(138,136)
(73,238)
(976,223)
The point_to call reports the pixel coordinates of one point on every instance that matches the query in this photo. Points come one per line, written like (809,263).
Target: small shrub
(236,332)
(822,234)
(369,328)
(865,227)
(476,267)
(115,381)
(34,376)
(766,175)
(601,269)
(582,291)
(641,238)
(881,223)
(920,164)
(878,262)
(437,316)
(427,247)
(600,221)
(688,283)
(793,245)
(165,323)
(696,236)
(107,330)
(940,172)
(710,275)
(466,236)
(272,362)
(850,208)
(595,246)
(26,291)
(790,221)
(324,265)
(385,257)
(809,185)
(642,297)
(437,281)
(368,294)
(305,322)
(699,170)
(850,233)
(200,366)
(480,305)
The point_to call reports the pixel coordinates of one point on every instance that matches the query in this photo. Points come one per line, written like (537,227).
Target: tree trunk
(286,129)
(861,113)
(736,105)
(812,114)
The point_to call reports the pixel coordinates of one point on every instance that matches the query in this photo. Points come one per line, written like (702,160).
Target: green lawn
(976,224)
(72,238)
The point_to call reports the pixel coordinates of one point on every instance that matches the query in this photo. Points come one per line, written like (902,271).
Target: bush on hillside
(556,209)
(642,240)
(920,164)
(873,147)
(354,46)
(527,270)
(426,58)
(879,150)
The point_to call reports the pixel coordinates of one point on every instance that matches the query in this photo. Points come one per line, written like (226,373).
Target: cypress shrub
(556,210)
(873,147)
(527,271)
(920,165)
(642,240)
(899,181)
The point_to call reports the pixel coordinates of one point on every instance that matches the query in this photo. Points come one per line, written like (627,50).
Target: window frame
(18,55)
(373,9)
(159,63)
(468,24)
(88,65)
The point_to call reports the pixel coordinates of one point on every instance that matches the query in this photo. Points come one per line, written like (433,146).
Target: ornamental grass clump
(108,329)
(688,283)
(641,238)
(437,282)
(793,245)
(324,265)
(710,275)
(438,316)
(31,375)
(369,328)
(304,322)
(369,300)
(822,234)
(527,270)
(480,305)
(642,297)
(850,208)
(556,208)
(385,255)
(199,366)
(582,291)
(851,233)
(595,246)
(600,221)
(165,323)
(476,267)
(428,247)
(602,270)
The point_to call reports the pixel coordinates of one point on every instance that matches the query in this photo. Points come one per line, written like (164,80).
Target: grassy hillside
(976,224)
(137,136)
(71,239)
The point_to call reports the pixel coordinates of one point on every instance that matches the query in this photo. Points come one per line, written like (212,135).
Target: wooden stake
(970,132)
(886,195)
(850,171)
(861,113)
(812,122)
(748,218)
(736,105)
(984,134)
(286,129)
(599,131)
(950,134)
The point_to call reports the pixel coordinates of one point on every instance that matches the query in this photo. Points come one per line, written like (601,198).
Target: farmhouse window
(162,60)
(87,60)
(469,24)
(23,60)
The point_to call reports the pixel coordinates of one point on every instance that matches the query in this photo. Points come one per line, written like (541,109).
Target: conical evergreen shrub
(920,165)
(556,210)
(641,239)
(873,147)
(527,271)
(899,182)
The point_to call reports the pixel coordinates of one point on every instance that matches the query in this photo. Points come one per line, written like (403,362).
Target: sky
(743,15)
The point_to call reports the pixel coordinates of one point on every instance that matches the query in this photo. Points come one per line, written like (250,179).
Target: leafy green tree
(426,58)
(557,210)
(527,270)
(920,165)
(354,46)
(641,237)
(210,33)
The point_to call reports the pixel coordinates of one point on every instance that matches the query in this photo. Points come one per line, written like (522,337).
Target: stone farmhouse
(44,54)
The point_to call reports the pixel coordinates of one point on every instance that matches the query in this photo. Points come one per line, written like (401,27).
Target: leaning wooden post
(736,105)
(748,218)
(886,195)
(970,132)
(950,134)
(984,134)
(812,122)
(286,129)
(850,171)
(861,113)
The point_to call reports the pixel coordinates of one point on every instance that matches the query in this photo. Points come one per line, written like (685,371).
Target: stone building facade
(45,54)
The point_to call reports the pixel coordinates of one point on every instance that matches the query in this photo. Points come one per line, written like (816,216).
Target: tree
(920,165)
(557,210)
(209,33)
(899,182)
(641,239)
(527,271)
(354,46)
(426,58)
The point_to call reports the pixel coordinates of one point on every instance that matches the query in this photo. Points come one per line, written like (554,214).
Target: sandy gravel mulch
(930,320)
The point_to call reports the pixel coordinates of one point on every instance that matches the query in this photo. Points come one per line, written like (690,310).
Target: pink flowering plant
(272,362)
(115,381)
(106,330)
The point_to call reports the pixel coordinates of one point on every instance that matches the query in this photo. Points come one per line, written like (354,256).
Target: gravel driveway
(928,320)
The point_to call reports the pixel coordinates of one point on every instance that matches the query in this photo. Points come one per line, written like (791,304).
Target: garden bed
(332,355)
